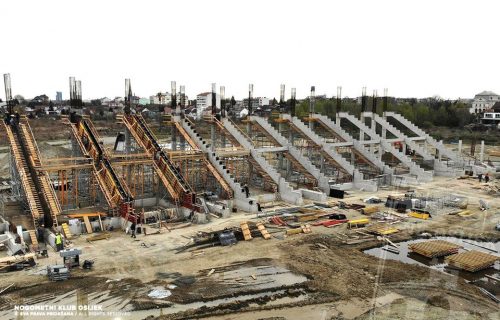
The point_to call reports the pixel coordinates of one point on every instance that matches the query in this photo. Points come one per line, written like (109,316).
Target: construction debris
(102,236)
(17,262)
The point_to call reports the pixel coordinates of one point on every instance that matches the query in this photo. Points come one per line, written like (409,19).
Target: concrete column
(182,143)
(280,161)
(288,168)
(223,140)
(249,127)
(322,163)
(311,125)
(127,151)
(439,157)
(361,133)
(459,147)
(174,138)
(384,131)
(481,155)
(353,159)
(212,137)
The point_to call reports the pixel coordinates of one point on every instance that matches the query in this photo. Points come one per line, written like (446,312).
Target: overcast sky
(414,48)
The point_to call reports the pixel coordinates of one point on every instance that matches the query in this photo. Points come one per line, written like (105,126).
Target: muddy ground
(281,278)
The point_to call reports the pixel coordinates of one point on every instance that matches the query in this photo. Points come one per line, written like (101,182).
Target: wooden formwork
(434,248)
(381,229)
(472,260)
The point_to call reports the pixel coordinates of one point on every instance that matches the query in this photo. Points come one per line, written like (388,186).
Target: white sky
(414,48)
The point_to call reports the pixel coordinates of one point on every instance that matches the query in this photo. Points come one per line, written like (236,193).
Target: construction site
(277,217)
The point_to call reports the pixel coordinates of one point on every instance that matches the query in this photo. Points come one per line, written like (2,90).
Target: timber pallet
(263,231)
(472,261)
(434,248)
(247,235)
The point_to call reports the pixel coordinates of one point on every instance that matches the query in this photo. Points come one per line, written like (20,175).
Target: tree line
(428,113)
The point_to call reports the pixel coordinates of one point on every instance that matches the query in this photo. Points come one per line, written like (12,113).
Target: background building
(484,101)
(204,101)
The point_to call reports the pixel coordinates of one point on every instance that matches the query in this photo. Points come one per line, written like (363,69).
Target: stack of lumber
(330,223)
(358,222)
(22,258)
(434,248)
(472,261)
(381,229)
(369,210)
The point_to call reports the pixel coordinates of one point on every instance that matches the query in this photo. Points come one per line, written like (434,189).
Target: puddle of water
(479,278)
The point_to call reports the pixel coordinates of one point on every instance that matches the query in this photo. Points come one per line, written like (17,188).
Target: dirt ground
(341,282)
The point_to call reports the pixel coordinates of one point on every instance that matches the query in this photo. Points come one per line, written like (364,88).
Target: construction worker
(132,229)
(40,233)
(480,177)
(59,242)
(247,191)
(487,178)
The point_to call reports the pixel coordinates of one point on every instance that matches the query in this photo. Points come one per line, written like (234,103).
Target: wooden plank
(247,235)
(34,240)
(16,258)
(87,224)
(66,231)
(81,215)
(263,231)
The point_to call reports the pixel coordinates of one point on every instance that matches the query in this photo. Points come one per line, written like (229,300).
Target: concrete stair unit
(356,145)
(409,142)
(240,200)
(286,192)
(440,168)
(323,181)
(334,126)
(422,175)
(433,142)
(329,148)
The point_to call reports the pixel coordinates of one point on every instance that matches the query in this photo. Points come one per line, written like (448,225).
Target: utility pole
(339,104)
